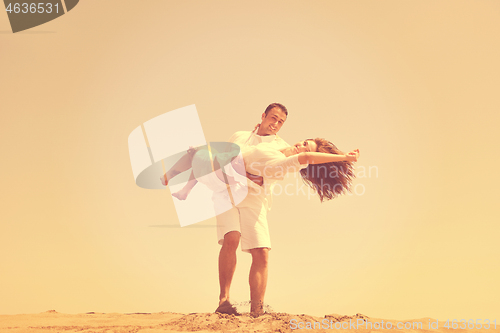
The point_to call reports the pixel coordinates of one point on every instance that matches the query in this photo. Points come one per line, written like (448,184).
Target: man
(247,221)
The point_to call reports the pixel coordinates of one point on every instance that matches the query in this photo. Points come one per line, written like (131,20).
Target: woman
(323,166)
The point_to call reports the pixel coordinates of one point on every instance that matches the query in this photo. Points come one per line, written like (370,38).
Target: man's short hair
(276,105)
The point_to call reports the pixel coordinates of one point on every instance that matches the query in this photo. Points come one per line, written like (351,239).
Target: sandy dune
(51,321)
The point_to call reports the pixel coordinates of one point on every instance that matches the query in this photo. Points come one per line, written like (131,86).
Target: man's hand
(256,179)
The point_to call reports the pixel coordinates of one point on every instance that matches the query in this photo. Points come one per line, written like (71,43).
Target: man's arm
(256,179)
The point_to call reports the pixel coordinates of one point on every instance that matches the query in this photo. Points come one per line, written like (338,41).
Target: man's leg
(256,240)
(227,263)
(258,279)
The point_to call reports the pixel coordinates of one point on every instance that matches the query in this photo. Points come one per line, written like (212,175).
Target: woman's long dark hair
(331,179)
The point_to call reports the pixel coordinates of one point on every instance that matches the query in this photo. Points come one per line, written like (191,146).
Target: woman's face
(301,147)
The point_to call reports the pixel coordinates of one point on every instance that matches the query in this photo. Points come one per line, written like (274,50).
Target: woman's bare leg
(183,164)
(184,192)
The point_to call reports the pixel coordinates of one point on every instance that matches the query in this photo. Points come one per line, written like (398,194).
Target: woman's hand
(353,156)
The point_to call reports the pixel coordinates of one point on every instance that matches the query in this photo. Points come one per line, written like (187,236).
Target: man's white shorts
(250,219)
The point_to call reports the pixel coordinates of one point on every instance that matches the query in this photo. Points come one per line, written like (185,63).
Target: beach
(52,321)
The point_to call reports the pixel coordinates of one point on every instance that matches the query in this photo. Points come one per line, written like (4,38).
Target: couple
(264,158)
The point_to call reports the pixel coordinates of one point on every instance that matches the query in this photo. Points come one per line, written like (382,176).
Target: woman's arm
(319,158)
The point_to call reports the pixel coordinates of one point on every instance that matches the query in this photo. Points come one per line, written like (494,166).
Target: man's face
(272,123)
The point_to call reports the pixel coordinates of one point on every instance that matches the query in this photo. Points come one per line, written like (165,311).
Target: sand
(52,321)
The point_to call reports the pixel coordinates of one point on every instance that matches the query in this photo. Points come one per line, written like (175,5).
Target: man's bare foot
(256,314)
(227,308)
(256,309)
(182,194)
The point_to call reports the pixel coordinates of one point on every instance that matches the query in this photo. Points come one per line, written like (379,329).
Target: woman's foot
(182,194)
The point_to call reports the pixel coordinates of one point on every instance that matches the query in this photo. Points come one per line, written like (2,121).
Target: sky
(412,84)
